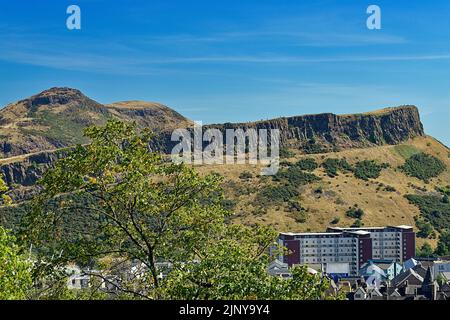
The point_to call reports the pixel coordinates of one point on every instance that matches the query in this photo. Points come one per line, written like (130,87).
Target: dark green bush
(335,220)
(423,166)
(245,175)
(333,165)
(390,189)
(425,228)
(285,153)
(312,147)
(355,213)
(277,194)
(443,247)
(357,224)
(297,212)
(295,176)
(308,164)
(368,169)
(433,210)
(426,251)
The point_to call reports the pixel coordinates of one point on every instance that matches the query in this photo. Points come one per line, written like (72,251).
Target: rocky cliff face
(56,118)
(387,126)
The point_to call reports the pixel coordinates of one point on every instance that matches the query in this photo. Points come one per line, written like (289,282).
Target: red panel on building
(365,250)
(409,245)
(294,255)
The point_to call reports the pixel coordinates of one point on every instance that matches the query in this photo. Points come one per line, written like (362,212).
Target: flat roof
(340,231)
(360,232)
(310,233)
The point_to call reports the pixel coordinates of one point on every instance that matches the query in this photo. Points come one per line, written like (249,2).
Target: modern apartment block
(354,246)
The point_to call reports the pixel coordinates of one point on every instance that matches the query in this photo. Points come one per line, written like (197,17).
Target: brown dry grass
(340,193)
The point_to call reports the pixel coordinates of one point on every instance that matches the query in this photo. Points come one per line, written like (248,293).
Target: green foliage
(433,210)
(295,176)
(355,213)
(228,204)
(406,151)
(285,153)
(335,220)
(15,270)
(444,190)
(390,189)
(312,147)
(357,224)
(426,251)
(423,166)
(277,194)
(245,175)
(146,211)
(307,164)
(297,212)
(5,200)
(368,169)
(425,228)
(333,165)
(443,247)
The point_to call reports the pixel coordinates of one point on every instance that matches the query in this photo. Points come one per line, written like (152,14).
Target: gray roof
(404,276)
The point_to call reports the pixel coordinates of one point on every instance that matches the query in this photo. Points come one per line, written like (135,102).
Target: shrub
(357,224)
(297,212)
(228,204)
(335,220)
(333,165)
(423,166)
(444,190)
(277,194)
(425,228)
(312,147)
(443,247)
(433,210)
(355,213)
(368,169)
(285,153)
(246,175)
(308,164)
(295,176)
(390,189)
(426,251)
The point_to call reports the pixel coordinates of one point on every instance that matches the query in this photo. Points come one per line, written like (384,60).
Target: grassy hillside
(57,117)
(321,203)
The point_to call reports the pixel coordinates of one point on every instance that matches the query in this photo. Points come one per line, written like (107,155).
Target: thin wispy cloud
(288,38)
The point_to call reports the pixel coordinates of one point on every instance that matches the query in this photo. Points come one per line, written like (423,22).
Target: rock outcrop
(387,126)
(56,118)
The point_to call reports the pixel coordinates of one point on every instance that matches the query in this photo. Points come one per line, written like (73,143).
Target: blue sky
(219,61)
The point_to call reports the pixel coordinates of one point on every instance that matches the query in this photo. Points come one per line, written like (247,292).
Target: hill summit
(55,118)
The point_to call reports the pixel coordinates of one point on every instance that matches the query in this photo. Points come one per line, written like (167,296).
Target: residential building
(354,246)
(390,268)
(440,267)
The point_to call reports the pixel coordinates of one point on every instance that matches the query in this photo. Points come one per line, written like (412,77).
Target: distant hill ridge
(55,118)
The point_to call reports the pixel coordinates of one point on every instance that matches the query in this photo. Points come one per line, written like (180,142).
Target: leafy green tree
(425,228)
(149,211)
(425,251)
(443,247)
(4,199)
(15,270)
